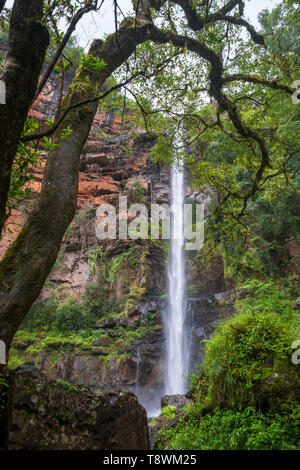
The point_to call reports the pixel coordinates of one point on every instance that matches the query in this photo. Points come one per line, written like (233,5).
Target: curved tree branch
(216,80)
(255,36)
(258,81)
(197,22)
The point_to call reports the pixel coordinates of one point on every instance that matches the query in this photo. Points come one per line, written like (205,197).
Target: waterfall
(138,359)
(174,317)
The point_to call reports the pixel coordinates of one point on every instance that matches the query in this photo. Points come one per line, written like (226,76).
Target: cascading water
(174,317)
(138,359)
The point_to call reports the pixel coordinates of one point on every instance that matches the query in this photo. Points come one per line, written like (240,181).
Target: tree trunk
(28,261)
(27,44)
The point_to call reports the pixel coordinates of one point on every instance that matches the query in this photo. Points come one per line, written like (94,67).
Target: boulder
(180,401)
(223,295)
(99,352)
(102,342)
(123,320)
(160,424)
(100,158)
(106,323)
(55,415)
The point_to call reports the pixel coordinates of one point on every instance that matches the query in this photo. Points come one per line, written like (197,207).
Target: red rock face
(13,227)
(110,164)
(293,247)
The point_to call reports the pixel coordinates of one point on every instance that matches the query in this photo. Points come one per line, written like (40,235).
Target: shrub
(139,193)
(71,317)
(168,411)
(41,315)
(246,429)
(248,362)
(268,297)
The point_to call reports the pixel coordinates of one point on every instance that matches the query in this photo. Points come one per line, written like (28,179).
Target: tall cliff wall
(123,282)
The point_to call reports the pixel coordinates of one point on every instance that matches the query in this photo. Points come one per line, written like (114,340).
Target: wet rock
(106,323)
(51,415)
(162,194)
(180,401)
(133,312)
(223,295)
(123,321)
(99,352)
(232,294)
(102,342)
(160,424)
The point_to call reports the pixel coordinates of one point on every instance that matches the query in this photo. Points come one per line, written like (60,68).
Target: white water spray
(175,315)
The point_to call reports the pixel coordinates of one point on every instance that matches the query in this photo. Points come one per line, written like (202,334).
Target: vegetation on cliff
(246,395)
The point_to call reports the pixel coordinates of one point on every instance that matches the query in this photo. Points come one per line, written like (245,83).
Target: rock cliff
(58,416)
(123,280)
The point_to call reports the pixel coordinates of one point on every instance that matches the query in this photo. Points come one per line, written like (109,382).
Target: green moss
(68,386)
(136,293)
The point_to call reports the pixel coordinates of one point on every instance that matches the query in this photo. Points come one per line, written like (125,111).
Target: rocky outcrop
(179,401)
(139,367)
(53,415)
(293,247)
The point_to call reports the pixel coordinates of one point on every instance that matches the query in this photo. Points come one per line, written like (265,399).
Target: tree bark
(27,44)
(28,261)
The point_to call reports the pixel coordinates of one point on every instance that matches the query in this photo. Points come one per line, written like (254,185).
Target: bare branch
(255,36)
(258,81)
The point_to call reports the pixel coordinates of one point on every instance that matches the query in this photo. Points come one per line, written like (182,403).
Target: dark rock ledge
(55,415)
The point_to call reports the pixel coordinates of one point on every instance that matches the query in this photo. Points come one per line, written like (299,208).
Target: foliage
(96,256)
(245,429)
(66,316)
(283,28)
(246,394)
(42,315)
(168,411)
(71,317)
(138,192)
(269,297)
(92,63)
(68,386)
(248,359)
(256,248)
